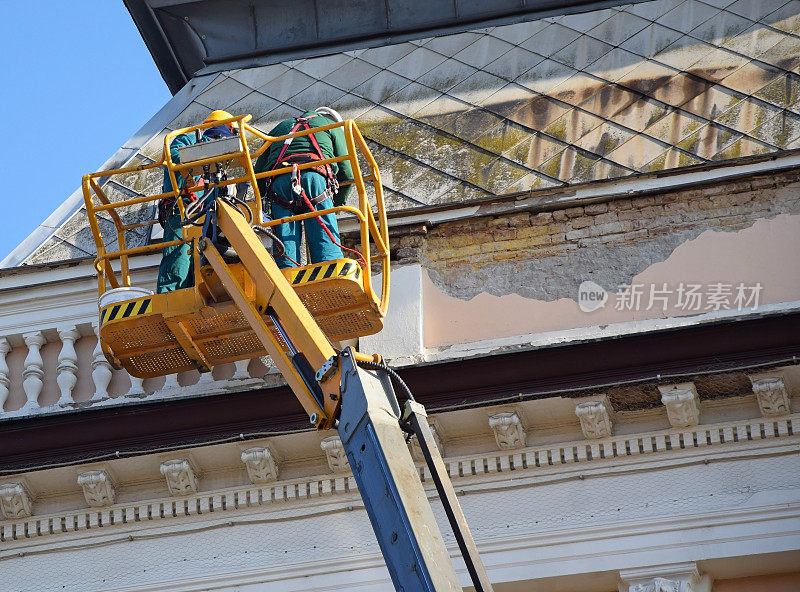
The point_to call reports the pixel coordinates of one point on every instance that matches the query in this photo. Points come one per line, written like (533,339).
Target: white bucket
(118,295)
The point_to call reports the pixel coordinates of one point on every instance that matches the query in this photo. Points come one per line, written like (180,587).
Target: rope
(311,208)
(390,371)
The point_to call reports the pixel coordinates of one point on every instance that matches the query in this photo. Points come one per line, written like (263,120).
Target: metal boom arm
(362,406)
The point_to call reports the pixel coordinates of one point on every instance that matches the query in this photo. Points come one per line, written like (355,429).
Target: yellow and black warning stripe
(123,310)
(324,271)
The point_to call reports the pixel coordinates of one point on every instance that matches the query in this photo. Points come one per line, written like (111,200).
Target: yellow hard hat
(219,115)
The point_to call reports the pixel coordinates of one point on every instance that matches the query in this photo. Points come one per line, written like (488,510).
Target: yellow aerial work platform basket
(200,327)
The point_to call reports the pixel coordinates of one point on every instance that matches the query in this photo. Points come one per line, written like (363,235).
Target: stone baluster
(206,378)
(101,371)
(171,383)
(34,368)
(67,364)
(268,364)
(241,370)
(137,387)
(5,347)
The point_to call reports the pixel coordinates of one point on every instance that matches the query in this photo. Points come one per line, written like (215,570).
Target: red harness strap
(295,206)
(297,187)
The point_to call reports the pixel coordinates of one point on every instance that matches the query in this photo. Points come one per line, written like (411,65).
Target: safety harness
(299,206)
(302,202)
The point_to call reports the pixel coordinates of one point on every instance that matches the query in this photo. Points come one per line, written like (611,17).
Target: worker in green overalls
(176,270)
(320,186)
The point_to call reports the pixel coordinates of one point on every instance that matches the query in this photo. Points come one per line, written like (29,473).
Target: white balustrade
(33,374)
(72,363)
(171,383)
(5,382)
(67,364)
(206,378)
(241,370)
(137,387)
(268,364)
(101,370)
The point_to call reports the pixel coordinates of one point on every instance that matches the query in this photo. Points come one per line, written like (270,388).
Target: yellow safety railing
(369,228)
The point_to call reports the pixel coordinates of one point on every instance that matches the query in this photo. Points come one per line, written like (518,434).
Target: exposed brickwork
(608,242)
(406,244)
(522,236)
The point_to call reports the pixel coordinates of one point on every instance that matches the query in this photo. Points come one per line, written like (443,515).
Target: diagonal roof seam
(408,197)
(579,150)
(677,108)
(733,91)
(632,131)
(474,147)
(688,73)
(424,165)
(56,241)
(665,145)
(700,42)
(760,21)
(450,135)
(146,158)
(124,189)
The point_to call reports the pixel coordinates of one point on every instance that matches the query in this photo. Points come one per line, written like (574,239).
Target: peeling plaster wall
(519,274)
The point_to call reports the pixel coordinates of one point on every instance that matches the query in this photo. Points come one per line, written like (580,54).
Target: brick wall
(513,237)
(541,254)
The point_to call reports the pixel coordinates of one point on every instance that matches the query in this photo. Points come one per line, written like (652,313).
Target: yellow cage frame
(369,228)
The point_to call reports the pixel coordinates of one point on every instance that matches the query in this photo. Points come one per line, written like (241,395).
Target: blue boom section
(389,484)
(382,500)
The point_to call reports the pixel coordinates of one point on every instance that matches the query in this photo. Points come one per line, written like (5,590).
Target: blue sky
(78,81)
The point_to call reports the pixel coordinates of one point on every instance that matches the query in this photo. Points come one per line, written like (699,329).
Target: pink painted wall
(764,253)
(774,583)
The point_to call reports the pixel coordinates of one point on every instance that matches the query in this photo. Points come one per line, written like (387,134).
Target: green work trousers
(176,270)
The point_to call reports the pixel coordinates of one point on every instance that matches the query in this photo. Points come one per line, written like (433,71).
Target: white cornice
(586,334)
(57,296)
(65,274)
(594,191)
(472,475)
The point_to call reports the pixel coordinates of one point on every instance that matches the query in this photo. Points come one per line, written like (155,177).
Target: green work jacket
(331,143)
(177,143)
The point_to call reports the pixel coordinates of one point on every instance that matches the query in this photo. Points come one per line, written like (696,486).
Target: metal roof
(495,110)
(187,37)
